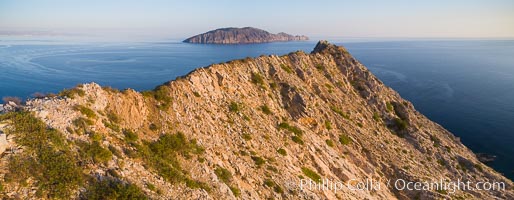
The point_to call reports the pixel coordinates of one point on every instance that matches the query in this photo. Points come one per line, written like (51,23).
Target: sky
(322,18)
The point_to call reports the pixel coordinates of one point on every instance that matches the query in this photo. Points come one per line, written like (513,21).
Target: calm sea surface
(465,85)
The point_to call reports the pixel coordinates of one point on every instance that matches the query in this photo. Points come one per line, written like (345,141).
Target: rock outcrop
(245,35)
(265,125)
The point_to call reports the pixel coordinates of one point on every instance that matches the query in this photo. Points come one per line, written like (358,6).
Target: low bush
(109,188)
(311,174)
(286,68)
(94,152)
(344,139)
(234,107)
(294,129)
(72,93)
(86,111)
(282,152)
(223,174)
(266,110)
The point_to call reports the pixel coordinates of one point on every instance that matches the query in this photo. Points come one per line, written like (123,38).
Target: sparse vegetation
(339,112)
(234,107)
(235,191)
(328,125)
(344,139)
(196,94)
(311,174)
(258,160)
(376,117)
(400,124)
(72,93)
(162,156)
(282,152)
(330,143)
(109,188)
(389,107)
(286,68)
(94,152)
(257,79)
(294,129)
(246,136)
(265,109)
(297,139)
(130,136)
(223,174)
(320,67)
(162,95)
(47,158)
(86,111)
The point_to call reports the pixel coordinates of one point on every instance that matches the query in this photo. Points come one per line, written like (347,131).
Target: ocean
(467,86)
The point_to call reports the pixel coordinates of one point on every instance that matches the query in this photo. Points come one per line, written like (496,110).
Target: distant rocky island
(246,35)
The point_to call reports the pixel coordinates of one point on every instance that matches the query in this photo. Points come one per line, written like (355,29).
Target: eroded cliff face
(244,35)
(265,124)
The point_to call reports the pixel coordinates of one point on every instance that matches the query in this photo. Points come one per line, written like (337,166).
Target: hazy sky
(176,19)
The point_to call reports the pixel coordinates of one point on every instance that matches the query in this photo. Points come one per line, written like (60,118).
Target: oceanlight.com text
(441,185)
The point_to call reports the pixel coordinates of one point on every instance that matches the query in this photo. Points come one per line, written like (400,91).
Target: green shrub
(95,152)
(235,191)
(265,109)
(223,174)
(278,189)
(108,188)
(114,151)
(286,68)
(86,111)
(269,183)
(389,107)
(435,140)
(344,139)
(234,107)
(258,160)
(112,126)
(282,152)
(196,94)
(153,127)
(130,136)
(161,155)
(96,136)
(320,67)
(151,187)
(113,117)
(247,136)
(169,144)
(330,143)
(297,139)
(339,112)
(311,174)
(72,93)
(82,123)
(257,79)
(328,125)
(400,124)
(297,131)
(162,95)
(376,116)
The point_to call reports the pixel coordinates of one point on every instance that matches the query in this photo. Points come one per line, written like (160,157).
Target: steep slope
(254,129)
(244,35)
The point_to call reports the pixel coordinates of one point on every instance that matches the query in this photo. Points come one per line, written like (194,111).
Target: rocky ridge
(265,124)
(244,35)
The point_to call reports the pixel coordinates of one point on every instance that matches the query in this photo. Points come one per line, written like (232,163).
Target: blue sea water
(467,86)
